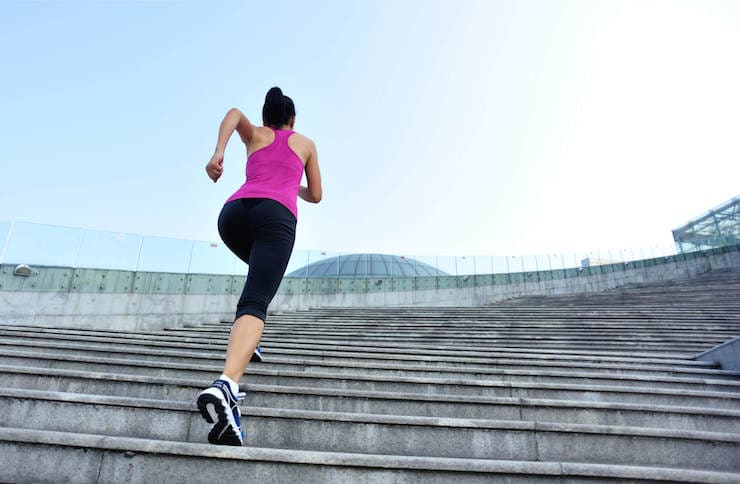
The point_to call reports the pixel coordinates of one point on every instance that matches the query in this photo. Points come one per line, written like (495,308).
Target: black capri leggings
(261,232)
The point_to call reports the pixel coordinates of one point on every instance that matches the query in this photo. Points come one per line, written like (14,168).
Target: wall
(93,298)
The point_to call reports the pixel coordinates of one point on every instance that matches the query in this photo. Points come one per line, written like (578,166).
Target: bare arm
(234,120)
(312,193)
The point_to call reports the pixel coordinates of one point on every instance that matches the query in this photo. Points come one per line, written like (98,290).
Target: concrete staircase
(577,388)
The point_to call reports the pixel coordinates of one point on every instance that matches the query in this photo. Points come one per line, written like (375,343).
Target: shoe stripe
(228,412)
(226,390)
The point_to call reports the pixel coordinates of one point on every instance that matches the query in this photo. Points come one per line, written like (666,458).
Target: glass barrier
(312,271)
(4,237)
(108,250)
(160,254)
(298,264)
(499,264)
(323,264)
(446,265)
(363,265)
(214,258)
(47,245)
(482,264)
(427,273)
(465,265)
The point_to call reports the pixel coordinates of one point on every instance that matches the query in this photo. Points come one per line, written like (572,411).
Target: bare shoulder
(302,145)
(302,139)
(261,137)
(262,133)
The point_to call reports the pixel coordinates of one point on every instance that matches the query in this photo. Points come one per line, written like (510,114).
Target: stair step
(183,389)
(414,382)
(326,351)
(458,365)
(576,388)
(74,457)
(21,403)
(400,435)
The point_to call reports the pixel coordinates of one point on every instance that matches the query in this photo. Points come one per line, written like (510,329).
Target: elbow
(316,197)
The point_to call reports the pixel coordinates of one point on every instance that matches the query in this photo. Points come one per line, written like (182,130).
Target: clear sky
(443,127)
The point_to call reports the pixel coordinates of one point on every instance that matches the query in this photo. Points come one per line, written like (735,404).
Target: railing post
(6,243)
(138,255)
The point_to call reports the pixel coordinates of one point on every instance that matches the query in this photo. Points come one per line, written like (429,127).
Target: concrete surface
(90,298)
(598,387)
(726,355)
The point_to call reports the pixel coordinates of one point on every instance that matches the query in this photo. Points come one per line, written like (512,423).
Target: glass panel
(529,263)
(43,245)
(483,264)
(555,262)
(658,251)
(338,265)
(515,264)
(4,230)
(426,267)
(465,265)
(404,266)
(601,261)
(500,264)
(588,259)
(542,262)
(377,266)
(108,250)
(321,264)
(298,264)
(62,246)
(447,265)
(215,258)
(352,265)
(363,265)
(349,265)
(566,263)
(160,254)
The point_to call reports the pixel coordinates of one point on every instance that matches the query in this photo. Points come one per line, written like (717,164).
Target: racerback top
(273,171)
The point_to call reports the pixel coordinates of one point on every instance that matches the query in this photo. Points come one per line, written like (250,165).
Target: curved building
(367,265)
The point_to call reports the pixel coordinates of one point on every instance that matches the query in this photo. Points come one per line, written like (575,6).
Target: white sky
(471,127)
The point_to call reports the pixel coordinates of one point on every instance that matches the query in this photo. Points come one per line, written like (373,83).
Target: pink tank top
(274,172)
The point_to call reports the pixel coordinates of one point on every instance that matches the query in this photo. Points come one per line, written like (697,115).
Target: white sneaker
(219,406)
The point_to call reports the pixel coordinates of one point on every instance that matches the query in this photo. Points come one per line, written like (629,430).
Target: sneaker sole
(213,411)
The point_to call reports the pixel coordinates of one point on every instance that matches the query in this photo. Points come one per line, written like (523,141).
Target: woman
(258,224)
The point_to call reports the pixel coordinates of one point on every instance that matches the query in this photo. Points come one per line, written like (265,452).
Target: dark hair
(278,109)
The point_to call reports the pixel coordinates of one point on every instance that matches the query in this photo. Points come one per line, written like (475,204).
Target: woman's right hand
(215,167)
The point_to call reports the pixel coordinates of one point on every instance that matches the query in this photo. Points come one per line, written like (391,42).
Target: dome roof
(367,265)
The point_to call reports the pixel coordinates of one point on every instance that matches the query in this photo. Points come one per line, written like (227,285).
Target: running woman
(258,224)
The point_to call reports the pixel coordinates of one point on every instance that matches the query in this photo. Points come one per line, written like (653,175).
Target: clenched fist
(215,167)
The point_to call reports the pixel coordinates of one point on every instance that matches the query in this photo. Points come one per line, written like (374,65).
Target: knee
(256,310)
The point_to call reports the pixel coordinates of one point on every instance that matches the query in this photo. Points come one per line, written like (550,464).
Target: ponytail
(278,109)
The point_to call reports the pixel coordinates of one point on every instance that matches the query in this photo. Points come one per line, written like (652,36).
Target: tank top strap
(282,135)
